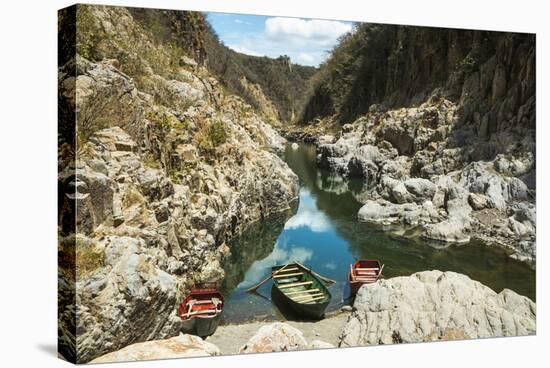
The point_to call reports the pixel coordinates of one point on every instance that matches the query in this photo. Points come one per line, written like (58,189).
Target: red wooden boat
(364,271)
(201,310)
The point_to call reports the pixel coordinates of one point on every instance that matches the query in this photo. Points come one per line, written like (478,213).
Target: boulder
(114,139)
(478,178)
(137,301)
(421,189)
(432,306)
(400,194)
(448,231)
(478,201)
(361,167)
(275,337)
(400,133)
(182,346)
(154,184)
(408,215)
(326,139)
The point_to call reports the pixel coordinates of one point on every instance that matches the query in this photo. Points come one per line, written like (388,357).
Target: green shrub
(166,120)
(211,136)
(88,33)
(469,64)
(175,176)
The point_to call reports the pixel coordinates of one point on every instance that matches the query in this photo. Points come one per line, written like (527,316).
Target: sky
(306,41)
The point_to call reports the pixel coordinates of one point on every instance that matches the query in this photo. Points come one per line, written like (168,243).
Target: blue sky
(306,41)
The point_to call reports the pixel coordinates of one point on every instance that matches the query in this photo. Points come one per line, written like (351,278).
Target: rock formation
(165,169)
(440,124)
(183,346)
(432,306)
(424,170)
(278,337)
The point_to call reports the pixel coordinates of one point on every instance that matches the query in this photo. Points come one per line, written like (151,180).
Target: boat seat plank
(367,269)
(295,284)
(195,302)
(306,297)
(206,311)
(314,299)
(292,279)
(281,275)
(302,291)
(281,271)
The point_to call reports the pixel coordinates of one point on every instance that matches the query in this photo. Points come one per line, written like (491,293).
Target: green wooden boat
(300,290)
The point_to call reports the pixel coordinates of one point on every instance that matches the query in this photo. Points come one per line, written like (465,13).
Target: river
(324,234)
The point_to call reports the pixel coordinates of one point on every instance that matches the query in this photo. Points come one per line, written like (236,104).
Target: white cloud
(244,50)
(314,220)
(239,21)
(260,269)
(294,30)
(308,215)
(306,58)
(307,42)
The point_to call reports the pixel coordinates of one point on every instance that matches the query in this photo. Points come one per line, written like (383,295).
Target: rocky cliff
(492,74)
(441,127)
(163,169)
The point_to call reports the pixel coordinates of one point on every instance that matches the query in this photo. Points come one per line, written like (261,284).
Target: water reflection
(324,234)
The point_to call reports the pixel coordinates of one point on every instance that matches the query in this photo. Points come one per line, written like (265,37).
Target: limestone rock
(421,189)
(182,346)
(408,214)
(435,305)
(273,338)
(449,231)
(424,167)
(137,301)
(478,201)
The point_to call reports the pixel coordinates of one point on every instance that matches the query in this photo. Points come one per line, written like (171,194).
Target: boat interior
(365,271)
(298,285)
(201,305)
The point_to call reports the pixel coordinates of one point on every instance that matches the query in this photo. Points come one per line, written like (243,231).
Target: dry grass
(78,256)
(132,196)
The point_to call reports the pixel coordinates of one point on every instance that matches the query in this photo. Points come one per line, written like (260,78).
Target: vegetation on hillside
(283,83)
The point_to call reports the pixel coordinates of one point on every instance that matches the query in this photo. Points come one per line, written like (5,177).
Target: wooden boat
(201,310)
(364,271)
(299,290)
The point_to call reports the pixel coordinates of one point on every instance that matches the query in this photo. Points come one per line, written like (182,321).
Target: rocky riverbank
(426,306)
(440,125)
(426,174)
